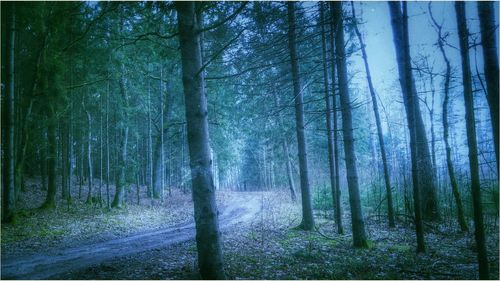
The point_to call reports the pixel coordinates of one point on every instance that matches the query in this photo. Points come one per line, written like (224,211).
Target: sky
(377,32)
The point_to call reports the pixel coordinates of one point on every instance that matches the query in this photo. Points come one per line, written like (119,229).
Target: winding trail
(241,209)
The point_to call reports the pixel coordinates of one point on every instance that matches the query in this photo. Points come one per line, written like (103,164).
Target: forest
(249,140)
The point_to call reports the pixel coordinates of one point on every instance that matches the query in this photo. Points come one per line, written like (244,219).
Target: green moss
(400,248)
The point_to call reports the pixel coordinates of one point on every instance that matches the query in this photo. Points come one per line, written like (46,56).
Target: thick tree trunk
(387,180)
(446,98)
(307,213)
(358,224)
(205,208)
(463,35)
(8,190)
(424,170)
(336,195)
(420,159)
(486,11)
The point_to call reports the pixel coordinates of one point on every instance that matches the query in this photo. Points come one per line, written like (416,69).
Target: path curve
(242,208)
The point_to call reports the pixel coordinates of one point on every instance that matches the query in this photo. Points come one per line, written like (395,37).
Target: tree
(446,98)
(420,160)
(336,195)
(328,105)
(358,224)
(8,190)
(307,215)
(463,37)
(486,11)
(387,180)
(286,153)
(205,208)
(416,126)
(89,153)
(118,200)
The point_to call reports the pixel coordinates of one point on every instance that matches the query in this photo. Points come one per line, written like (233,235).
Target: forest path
(241,208)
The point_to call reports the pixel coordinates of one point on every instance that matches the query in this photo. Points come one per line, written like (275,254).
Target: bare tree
(387,180)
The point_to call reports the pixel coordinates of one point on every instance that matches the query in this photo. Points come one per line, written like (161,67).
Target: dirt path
(241,208)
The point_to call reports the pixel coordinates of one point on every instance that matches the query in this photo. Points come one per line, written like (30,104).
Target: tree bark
(414,117)
(205,209)
(387,180)
(463,35)
(307,213)
(358,224)
(420,158)
(486,11)
(8,190)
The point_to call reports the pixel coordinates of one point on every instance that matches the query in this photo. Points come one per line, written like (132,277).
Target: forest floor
(155,240)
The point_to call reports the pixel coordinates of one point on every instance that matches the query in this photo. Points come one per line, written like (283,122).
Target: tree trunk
(70,153)
(43,162)
(336,195)
(449,162)
(159,152)
(118,200)
(286,152)
(150,145)
(162,139)
(387,180)
(486,11)
(64,159)
(420,159)
(358,224)
(205,208)
(8,190)
(463,35)
(50,200)
(424,170)
(329,109)
(307,213)
(108,205)
(157,185)
(89,155)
